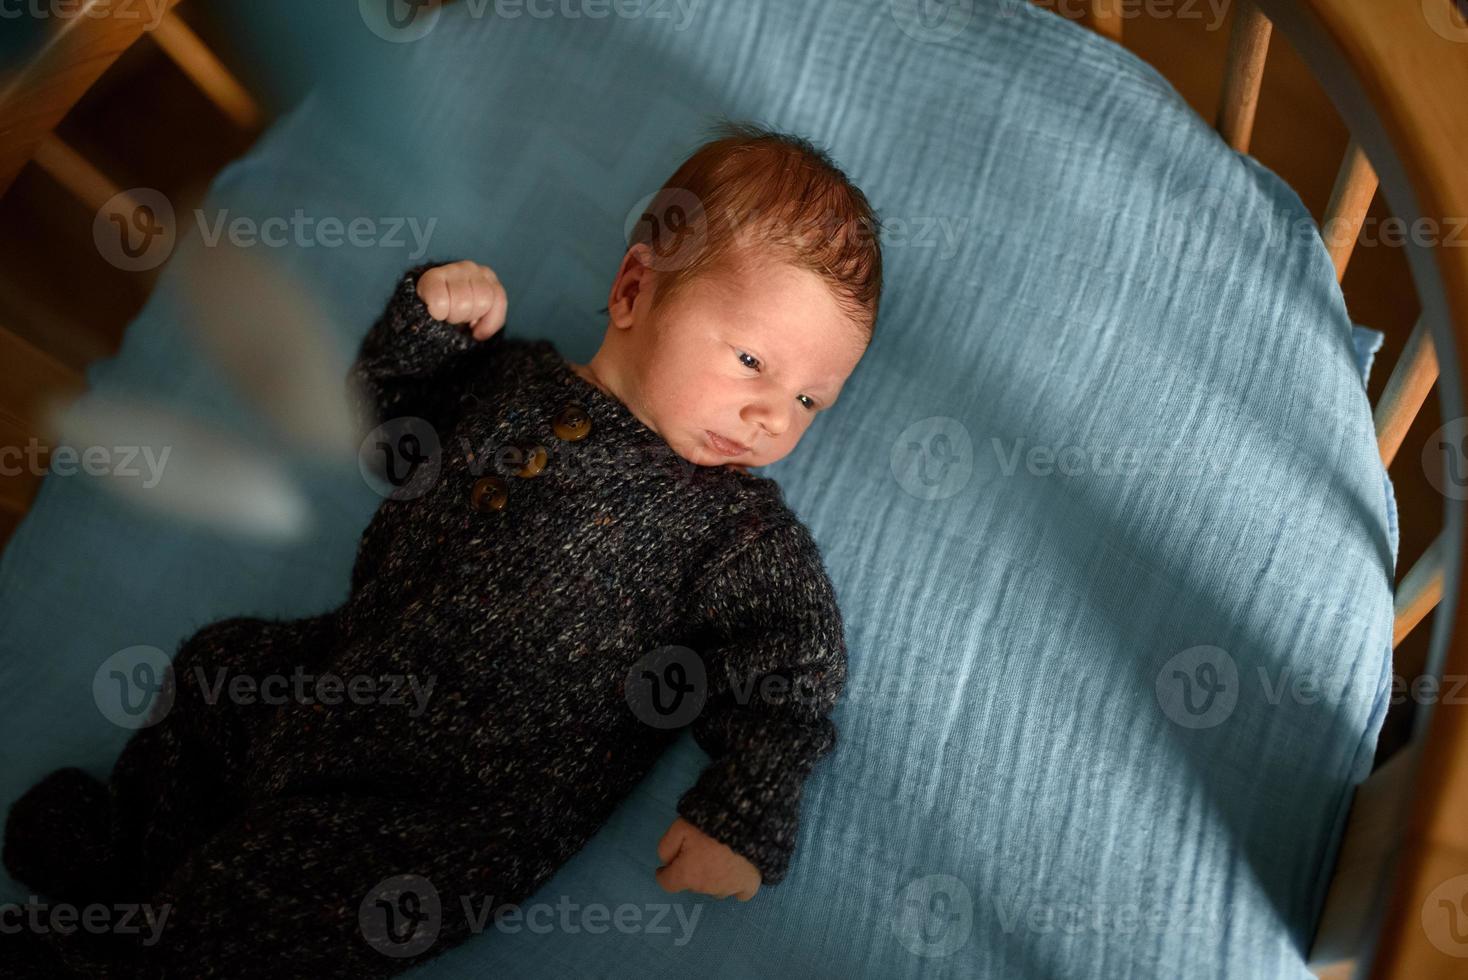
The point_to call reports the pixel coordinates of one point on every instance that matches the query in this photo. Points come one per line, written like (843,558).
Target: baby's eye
(809,402)
(743,355)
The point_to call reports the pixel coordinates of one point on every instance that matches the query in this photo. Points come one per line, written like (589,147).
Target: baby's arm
(408,363)
(775,652)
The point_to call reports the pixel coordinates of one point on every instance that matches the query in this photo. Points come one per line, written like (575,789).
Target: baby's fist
(694,860)
(465,292)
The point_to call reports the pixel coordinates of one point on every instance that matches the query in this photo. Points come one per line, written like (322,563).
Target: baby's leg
(175,781)
(327,886)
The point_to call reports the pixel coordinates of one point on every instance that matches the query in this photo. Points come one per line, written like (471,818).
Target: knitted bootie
(58,838)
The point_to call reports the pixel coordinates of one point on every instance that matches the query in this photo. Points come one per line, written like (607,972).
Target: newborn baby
(579,568)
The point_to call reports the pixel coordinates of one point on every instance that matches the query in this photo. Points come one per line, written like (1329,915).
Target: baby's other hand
(694,860)
(465,292)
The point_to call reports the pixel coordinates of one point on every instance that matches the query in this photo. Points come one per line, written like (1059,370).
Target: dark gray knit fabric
(264,828)
(531,617)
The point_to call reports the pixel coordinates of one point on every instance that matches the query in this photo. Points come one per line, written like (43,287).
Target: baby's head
(746,298)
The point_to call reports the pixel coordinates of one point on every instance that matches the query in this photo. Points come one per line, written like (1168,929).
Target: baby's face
(750,353)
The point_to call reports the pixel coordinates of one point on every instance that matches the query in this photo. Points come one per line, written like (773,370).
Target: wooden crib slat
(1405,391)
(1420,591)
(1372,829)
(71,170)
(75,54)
(1355,186)
(1248,47)
(194,58)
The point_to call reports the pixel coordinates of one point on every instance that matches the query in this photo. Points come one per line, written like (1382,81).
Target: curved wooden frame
(1396,73)
(1397,79)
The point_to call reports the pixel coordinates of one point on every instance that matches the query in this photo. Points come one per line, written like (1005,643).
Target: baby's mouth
(726,447)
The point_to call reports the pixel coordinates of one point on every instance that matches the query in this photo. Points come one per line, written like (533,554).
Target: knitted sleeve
(411,364)
(774,650)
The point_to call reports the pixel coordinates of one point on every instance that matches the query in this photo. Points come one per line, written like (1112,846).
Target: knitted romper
(547,612)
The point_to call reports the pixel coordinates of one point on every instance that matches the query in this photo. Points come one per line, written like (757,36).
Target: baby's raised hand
(694,860)
(465,292)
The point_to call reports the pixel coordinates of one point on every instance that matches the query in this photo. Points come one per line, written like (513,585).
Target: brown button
(528,460)
(572,423)
(489,493)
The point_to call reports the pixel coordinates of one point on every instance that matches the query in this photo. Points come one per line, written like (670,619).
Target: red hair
(751,190)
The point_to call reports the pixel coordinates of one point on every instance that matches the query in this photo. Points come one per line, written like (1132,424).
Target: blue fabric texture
(1367,342)
(1102,503)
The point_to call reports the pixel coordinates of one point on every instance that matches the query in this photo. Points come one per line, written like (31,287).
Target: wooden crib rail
(1397,73)
(75,53)
(77,50)
(78,47)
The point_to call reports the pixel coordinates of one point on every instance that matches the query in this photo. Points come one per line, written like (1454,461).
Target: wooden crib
(1396,71)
